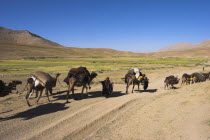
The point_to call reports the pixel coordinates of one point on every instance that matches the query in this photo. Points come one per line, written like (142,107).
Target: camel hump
(78,71)
(43,77)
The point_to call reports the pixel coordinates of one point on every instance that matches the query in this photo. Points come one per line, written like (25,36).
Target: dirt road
(156,114)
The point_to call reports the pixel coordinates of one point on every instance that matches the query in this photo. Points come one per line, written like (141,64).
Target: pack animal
(79,77)
(198,77)
(6,89)
(186,78)
(130,79)
(170,81)
(38,82)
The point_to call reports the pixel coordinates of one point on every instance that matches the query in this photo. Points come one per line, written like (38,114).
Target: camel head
(93,75)
(57,75)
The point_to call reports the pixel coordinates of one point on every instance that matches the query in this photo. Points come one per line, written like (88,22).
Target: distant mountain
(198,50)
(178,47)
(24,37)
(204,44)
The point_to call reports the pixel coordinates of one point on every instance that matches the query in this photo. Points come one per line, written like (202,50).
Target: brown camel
(80,78)
(132,80)
(186,79)
(38,82)
(6,89)
(170,81)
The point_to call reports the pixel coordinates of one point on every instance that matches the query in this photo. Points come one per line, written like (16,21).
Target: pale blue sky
(128,25)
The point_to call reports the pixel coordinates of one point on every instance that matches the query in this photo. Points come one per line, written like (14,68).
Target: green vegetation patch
(12,67)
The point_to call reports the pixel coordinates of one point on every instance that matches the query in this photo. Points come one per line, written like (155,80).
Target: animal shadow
(37,111)
(116,94)
(79,96)
(97,94)
(171,88)
(149,90)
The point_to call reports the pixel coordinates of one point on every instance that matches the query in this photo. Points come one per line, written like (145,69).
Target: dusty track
(161,114)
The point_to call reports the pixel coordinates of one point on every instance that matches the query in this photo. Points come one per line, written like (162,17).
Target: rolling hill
(190,50)
(24,37)
(178,47)
(25,45)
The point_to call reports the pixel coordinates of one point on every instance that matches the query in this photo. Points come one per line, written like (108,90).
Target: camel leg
(28,95)
(166,86)
(128,84)
(70,89)
(73,93)
(86,89)
(36,94)
(133,88)
(47,93)
(127,88)
(39,96)
(182,83)
(67,95)
(83,87)
(50,90)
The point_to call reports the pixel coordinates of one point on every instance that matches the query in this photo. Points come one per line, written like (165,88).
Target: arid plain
(155,114)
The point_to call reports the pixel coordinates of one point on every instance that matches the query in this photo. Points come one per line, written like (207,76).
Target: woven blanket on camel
(44,78)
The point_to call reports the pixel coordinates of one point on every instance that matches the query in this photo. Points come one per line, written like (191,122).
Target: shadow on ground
(148,90)
(79,96)
(38,111)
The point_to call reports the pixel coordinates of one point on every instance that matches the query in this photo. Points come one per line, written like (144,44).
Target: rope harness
(23,89)
(61,84)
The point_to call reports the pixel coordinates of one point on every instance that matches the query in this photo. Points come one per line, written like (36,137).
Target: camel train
(186,79)
(81,77)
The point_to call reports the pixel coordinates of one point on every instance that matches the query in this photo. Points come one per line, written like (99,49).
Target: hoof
(28,104)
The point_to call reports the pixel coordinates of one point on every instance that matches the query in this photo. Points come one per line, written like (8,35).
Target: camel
(6,89)
(132,80)
(79,77)
(170,80)
(197,77)
(135,77)
(186,79)
(38,82)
